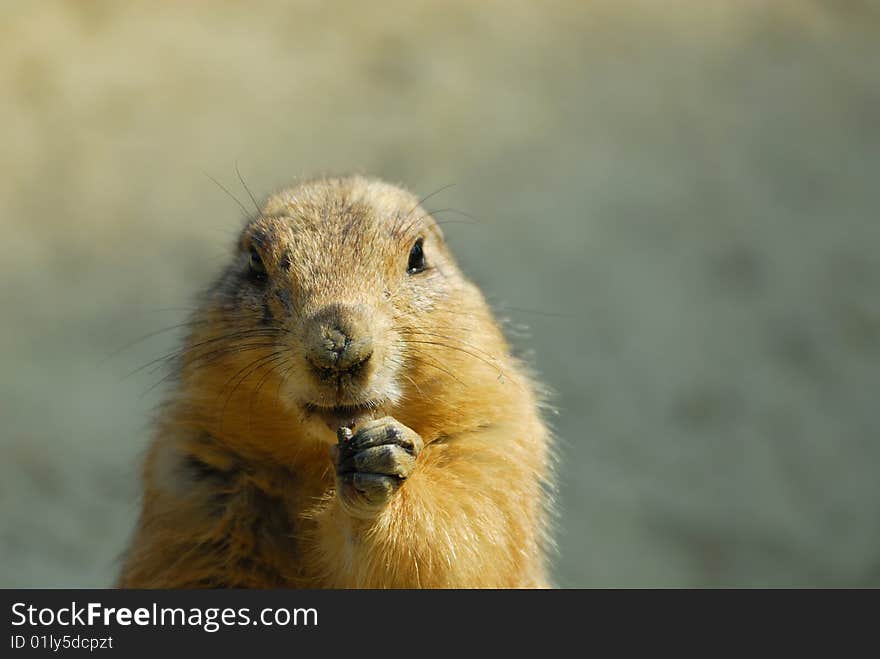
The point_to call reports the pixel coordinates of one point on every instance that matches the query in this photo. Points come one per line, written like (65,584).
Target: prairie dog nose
(339,339)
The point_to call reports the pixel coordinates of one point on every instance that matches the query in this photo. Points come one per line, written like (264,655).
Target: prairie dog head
(340,301)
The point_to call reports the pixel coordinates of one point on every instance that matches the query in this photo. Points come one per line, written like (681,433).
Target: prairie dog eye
(256,267)
(416,258)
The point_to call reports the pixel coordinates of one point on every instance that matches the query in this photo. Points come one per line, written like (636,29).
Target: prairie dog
(346,413)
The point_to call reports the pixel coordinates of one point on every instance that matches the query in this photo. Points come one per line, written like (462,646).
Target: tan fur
(240,480)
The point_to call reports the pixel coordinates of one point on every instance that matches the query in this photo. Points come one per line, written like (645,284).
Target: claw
(343,435)
(372,463)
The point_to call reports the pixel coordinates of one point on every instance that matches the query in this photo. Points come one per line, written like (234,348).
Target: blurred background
(679,199)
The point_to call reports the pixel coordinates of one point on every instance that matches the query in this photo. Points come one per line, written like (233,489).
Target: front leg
(468,513)
(372,463)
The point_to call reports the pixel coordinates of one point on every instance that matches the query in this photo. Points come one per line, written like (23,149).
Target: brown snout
(338,340)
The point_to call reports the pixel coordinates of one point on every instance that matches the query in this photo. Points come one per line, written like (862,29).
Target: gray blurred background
(680,199)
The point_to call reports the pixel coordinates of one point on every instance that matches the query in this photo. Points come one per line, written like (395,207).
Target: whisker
(417,332)
(395,231)
(282,380)
(180,352)
(402,374)
(229,194)
(459,349)
(143,338)
(255,395)
(422,359)
(248,190)
(429,196)
(549,314)
(215,355)
(191,323)
(212,356)
(247,371)
(457,211)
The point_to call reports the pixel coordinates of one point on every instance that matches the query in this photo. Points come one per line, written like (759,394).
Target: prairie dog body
(346,413)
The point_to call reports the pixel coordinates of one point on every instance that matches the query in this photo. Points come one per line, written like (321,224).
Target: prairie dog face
(338,286)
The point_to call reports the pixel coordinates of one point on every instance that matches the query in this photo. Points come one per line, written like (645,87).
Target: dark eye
(256,268)
(416,259)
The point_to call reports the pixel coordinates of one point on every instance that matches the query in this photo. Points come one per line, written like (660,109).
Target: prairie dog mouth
(347,416)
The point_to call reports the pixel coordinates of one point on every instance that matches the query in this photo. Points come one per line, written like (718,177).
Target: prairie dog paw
(372,463)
